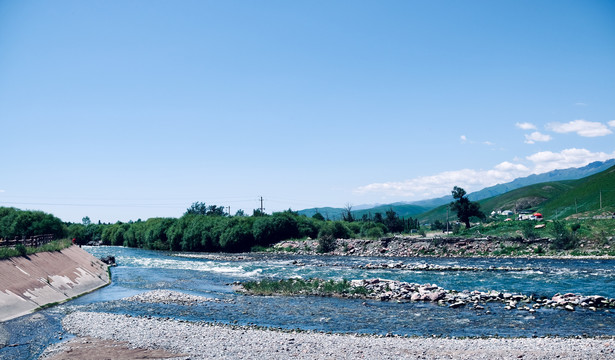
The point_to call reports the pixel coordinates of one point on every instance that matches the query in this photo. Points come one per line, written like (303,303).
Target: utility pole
(262,208)
(229,210)
(447,208)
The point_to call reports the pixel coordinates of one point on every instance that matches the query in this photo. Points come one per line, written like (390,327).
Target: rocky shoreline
(170,297)
(399,291)
(196,340)
(437,246)
(391,290)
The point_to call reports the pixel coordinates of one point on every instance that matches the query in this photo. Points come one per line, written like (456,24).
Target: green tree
(378,218)
(563,238)
(258,212)
(77,232)
(197,208)
(335,229)
(437,225)
(279,226)
(318,216)
(308,226)
(215,210)
(393,222)
(464,207)
(374,230)
(238,235)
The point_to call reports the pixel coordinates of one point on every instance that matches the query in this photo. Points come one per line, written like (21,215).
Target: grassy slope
(551,198)
(586,193)
(56,245)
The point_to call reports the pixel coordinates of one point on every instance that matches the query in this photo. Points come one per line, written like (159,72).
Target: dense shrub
(528,230)
(373,230)
(271,229)
(563,238)
(25,223)
(308,227)
(238,235)
(334,229)
(326,244)
(21,249)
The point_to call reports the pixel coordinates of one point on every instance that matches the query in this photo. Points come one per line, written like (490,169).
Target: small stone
(456,304)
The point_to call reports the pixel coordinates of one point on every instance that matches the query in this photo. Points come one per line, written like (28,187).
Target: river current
(210,275)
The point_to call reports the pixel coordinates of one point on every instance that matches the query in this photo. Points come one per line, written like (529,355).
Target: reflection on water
(141,270)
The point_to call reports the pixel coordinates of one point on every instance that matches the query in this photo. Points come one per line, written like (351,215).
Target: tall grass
(55,245)
(315,287)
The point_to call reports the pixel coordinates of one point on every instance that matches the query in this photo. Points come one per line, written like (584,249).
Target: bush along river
(453,297)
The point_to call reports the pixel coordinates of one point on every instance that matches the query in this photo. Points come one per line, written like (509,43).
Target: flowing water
(142,270)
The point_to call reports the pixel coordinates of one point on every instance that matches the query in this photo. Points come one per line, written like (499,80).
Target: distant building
(502,213)
(534,216)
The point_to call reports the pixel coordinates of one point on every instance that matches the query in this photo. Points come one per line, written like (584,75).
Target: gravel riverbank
(206,341)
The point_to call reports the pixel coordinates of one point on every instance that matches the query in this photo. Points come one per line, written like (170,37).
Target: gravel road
(212,341)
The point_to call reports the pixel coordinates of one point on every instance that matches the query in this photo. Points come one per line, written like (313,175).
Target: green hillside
(553,199)
(584,197)
(526,198)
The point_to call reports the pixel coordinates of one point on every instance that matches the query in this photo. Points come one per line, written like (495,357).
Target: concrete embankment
(29,282)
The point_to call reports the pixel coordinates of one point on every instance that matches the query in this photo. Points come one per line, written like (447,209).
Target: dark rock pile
(109,260)
(391,290)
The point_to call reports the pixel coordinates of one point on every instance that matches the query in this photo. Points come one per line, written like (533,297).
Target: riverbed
(212,275)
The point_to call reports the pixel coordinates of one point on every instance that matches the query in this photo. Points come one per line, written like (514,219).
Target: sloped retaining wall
(29,282)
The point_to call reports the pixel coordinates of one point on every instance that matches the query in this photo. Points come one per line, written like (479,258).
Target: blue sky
(121,110)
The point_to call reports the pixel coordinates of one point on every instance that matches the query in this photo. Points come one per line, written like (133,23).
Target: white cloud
(580,104)
(581,127)
(463,138)
(546,160)
(488,143)
(425,187)
(536,136)
(511,167)
(612,123)
(442,183)
(526,126)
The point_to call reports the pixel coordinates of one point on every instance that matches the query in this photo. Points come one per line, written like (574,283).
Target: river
(210,275)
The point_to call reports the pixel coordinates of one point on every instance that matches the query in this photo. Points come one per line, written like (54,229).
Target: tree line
(15,223)
(204,228)
(209,228)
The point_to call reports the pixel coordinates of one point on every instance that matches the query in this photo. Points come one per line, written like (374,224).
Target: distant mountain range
(406,209)
(588,196)
(555,175)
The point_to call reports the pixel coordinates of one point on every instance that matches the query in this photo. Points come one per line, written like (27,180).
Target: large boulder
(109,260)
